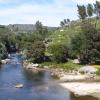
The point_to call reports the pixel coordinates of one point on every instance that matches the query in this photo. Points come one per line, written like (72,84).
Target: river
(41,87)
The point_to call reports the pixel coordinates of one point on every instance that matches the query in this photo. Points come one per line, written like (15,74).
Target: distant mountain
(25,27)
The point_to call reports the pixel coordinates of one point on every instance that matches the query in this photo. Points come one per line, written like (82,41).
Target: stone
(19,86)
(76,61)
(35,65)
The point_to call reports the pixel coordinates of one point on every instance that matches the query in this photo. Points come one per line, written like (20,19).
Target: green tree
(82,12)
(97,8)
(86,45)
(90,10)
(35,52)
(62,24)
(41,30)
(59,52)
(97,11)
(65,22)
(3,51)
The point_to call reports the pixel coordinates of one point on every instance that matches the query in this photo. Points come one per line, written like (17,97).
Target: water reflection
(33,76)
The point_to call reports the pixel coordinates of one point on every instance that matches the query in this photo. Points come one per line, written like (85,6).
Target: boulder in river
(19,86)
(5,61)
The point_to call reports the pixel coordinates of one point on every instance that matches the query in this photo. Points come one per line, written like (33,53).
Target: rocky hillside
(25,27)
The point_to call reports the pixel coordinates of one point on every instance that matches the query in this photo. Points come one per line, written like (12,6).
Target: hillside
(63,35)
(25,27)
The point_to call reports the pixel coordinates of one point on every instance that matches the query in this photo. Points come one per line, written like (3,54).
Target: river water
(38,87)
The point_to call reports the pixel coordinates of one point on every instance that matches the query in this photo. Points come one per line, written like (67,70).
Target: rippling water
(36,87)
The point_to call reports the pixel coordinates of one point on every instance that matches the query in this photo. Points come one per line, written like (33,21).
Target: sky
(49,12)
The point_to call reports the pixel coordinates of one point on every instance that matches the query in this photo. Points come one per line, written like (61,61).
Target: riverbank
(83,89)
(62,74)
(80,85)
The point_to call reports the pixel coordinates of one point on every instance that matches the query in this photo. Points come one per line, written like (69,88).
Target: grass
(97,66)
(66,66)
(98,72)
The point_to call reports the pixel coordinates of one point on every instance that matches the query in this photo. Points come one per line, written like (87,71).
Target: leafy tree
(41,30)
(82,12)
(38,26)
(35,52)
(97,8)
(3,51)
(97,11)
(59,52)
(62,24)
(86,45)
(65,22)
(8,39)
(90,10)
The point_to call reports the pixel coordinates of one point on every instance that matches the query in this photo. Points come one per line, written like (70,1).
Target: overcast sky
(49,12)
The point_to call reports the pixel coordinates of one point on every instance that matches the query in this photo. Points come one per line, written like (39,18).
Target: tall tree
(97,8)
(39,27)
(68,21)
(97,11)
(62,24)
(41,30)
(82,12)
(87,44)
(65,22)
(90,10)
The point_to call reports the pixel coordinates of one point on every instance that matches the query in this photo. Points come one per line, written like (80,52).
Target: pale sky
(49,12)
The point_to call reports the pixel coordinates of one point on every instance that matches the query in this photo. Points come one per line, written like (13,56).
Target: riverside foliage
(78,39)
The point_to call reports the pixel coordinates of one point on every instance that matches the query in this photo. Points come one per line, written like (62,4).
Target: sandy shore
(83,88)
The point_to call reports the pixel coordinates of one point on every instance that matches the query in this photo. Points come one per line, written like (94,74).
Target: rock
(35,65)
(88,69)
(19,86)
(46,67)
(76,61)
(5,61)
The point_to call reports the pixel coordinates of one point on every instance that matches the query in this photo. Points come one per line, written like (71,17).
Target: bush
(35,52)
(98,72)
(86,45)
(59,53)
(3,51)
(66,66)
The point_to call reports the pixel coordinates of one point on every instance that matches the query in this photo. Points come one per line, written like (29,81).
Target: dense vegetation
(74,40)
(7,42)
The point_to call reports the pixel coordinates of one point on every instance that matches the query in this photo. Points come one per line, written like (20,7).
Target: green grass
(66,66)
(98,72)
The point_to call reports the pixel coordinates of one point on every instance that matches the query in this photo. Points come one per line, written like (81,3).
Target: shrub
(86,45)
(3,51)
(59,53)
(35,52)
